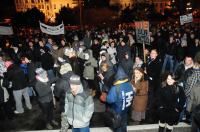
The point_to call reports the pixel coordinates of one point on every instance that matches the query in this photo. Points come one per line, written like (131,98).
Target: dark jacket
(108,79)
(44,92)
(121,94)
(182,74)
(171,98)
(17,77)
(61,87)
(153,71)
(127,65)
(121,50)
(47,61)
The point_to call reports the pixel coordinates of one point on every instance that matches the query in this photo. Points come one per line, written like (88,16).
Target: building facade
(48,7)
(160,5)
(122,3)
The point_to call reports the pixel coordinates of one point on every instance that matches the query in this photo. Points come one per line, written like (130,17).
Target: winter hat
(75,80)
(41,73)
(65,68)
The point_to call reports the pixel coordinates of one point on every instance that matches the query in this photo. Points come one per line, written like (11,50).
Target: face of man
(188,61)
(74,89)
(153,54)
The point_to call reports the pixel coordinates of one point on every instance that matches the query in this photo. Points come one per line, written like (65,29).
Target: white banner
(142,32)
(52,30)
(6,30)
(186,18)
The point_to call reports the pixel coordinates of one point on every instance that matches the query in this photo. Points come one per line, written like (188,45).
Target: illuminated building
(48,7)
(122,3)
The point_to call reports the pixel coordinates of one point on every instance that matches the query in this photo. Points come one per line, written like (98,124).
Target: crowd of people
(107,65)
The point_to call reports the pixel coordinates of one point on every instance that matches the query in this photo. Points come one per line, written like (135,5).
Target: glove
(88,64)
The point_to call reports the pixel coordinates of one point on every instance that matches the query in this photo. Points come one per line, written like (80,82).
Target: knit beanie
(75,80)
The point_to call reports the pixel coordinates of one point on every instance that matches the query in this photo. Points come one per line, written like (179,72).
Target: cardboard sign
(186,18)
(142,32)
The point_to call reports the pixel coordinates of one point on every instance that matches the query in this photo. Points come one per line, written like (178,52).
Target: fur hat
(75,80)
(65,68)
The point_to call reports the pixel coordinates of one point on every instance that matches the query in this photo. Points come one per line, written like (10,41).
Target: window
(47,7)
(38,1)
(42,6)
(67,5)
(39,6)
(32,1)
(26,1)
(54,6)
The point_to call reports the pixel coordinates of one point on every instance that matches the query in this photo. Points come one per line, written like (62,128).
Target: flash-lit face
(138,74)
(74,89)
(170,80)
(153,54)
(188,61)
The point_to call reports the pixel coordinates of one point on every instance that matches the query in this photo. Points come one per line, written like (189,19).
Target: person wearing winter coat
(170,104)
(184,70)
(61,87)
(112,52)
(19,85)
(120,98)
(138,62)
(45,97)
(141,95)
(123,48)
(127,65)
(194,77)
(89,70)
(79,105)
(153,70)
(106,76)
(193,103)
(47,63)
(170,55)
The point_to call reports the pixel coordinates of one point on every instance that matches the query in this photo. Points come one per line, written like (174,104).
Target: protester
(45,97)
(170,104)
(19,85)
(120,98)
(141,95)
(79,105)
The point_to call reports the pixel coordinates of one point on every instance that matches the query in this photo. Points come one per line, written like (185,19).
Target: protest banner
(186,18)
(52,30)
(6,30)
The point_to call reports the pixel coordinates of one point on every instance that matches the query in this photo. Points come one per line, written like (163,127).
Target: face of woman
(138,74)
(170,80)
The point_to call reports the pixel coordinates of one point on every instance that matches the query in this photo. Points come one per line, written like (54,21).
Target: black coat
(61,87)
(17,77)
(127,65)
(170,98)
(108,79)
(121,50)
(47,61)
(153,72)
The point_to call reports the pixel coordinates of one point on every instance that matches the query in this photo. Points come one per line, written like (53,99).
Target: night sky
(7,8)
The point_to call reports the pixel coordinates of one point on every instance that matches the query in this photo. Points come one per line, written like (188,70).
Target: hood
(120,76)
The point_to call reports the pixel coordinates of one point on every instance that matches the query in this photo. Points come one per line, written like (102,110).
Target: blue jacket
(121,94)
